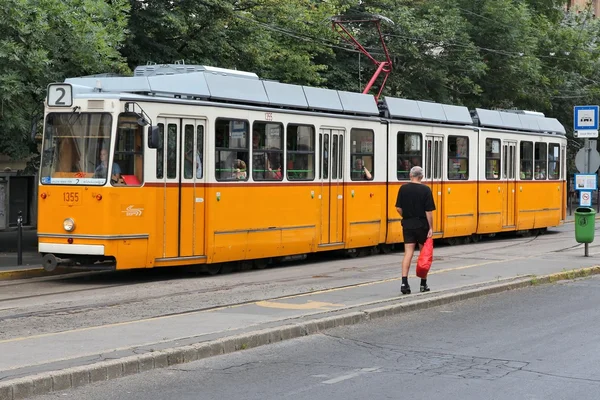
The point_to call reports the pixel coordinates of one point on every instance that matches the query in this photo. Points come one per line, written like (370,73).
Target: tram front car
(92,207)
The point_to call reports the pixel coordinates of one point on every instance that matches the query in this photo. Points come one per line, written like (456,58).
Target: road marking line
(310,305)
(352,375)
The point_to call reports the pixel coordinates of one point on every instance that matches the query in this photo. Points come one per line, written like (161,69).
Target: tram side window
(526,160)
(540,161)
(361,154)
(128,165)
(267,151)
(160,149)
(231,149)
(300,152)
(458,157)
(199,151)
(492,159)
(409,154)
(193,159)
(554,162)
(171,151)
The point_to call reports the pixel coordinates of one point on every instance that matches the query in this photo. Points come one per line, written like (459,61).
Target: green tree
(44,41)
(277,39)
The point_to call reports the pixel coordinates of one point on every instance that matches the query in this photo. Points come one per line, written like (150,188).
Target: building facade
(582,4)
(18,192)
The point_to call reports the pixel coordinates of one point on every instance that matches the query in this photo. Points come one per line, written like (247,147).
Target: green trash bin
(585,223)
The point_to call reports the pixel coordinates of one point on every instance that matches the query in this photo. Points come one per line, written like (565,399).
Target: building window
(458,158)
(231,149)
(526,160)
(300,152)
(267,151)
(361,154)
(409,154)
(492,159)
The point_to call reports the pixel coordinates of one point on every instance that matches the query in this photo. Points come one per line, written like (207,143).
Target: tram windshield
(75,149)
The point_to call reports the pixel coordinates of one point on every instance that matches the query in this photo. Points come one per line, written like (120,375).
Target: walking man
(415,205)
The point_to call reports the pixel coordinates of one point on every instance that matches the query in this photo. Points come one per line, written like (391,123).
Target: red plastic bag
(425,259)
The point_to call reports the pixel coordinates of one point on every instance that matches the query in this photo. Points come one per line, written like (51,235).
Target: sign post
(587,160)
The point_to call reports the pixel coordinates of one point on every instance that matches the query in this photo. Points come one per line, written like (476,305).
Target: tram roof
(218,84)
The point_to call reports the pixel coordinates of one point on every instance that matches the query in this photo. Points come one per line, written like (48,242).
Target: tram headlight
(69,224)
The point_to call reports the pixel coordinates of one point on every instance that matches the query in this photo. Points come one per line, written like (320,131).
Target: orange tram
(193,165)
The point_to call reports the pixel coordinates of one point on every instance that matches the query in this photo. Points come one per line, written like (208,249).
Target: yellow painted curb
(33,272)
(567,275)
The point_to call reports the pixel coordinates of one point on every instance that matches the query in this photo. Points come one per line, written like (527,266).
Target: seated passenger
(239,169)
(273,173)
(361,172)
(102,169)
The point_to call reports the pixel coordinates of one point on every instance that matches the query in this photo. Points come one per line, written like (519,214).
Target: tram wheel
(453,241)
(213,269)
(260,264)
(475,238)
(386,248)
(245,265)
(352,253)
(364,252)
(375,250)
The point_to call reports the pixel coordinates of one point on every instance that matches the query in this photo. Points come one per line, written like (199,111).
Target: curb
(33,272)
(75,377)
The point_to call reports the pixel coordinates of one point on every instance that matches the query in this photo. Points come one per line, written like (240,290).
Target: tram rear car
(185,170)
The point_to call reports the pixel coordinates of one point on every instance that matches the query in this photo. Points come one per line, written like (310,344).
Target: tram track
(71,310)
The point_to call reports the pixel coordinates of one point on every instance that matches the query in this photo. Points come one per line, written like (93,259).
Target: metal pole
(587,250)
(20,238)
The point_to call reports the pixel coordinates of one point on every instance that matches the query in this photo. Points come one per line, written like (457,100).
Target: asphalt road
(535,343)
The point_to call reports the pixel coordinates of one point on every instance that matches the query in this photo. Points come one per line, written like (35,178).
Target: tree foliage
(526,54)
(43,41)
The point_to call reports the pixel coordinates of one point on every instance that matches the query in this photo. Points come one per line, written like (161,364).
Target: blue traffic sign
(586,118)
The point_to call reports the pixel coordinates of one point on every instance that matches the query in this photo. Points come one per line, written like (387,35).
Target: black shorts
(414,236)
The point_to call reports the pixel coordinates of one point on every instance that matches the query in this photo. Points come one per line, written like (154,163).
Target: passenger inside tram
(102,168)
(360,171)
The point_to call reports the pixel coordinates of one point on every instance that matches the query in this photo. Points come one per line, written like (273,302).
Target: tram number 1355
(71,197)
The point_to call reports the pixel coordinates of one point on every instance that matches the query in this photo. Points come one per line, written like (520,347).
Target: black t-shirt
(414,199)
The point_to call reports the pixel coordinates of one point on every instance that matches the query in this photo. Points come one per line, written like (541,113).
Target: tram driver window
(540,161)
(409,154)
(267,151)
(554,162)
(526,159)
(492,159)
(361,154)
(231,149)
(458,157)
(300,152)
(128,165)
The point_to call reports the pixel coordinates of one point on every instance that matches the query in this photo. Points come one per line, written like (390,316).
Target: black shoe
(405,289)
(424,288)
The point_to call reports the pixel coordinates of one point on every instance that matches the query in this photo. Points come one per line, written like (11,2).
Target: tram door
(192,188)
(509,175)
(331,143)
(434,162)
(181,227)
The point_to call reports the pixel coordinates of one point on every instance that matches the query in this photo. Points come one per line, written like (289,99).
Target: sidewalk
(51,362)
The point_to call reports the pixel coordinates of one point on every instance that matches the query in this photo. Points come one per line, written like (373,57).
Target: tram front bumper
(56,254)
